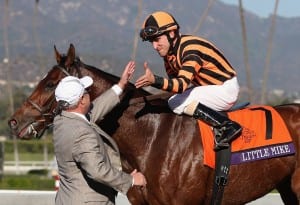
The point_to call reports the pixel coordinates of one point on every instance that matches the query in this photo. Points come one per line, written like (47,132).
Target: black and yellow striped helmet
(156,24)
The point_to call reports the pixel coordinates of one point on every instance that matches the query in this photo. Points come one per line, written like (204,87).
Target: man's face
(161,45)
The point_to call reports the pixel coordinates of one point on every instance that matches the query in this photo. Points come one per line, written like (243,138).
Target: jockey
(201,78)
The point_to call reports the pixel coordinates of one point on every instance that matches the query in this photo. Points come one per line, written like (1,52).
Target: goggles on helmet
(150,32)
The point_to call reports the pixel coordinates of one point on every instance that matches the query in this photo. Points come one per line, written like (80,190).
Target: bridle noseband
(47,115)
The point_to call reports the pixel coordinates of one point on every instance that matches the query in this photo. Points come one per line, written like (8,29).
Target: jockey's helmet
(157,24)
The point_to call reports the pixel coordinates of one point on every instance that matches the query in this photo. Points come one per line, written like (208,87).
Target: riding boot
(225,129)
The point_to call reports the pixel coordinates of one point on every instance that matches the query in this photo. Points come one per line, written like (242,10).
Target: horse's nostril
(13,123)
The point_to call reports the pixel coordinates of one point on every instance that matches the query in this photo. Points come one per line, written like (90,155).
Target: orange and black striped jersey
(194,60)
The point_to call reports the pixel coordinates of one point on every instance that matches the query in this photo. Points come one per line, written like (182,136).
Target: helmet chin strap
(171,40)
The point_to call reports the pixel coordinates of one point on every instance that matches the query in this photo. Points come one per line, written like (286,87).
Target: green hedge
(29,150)
(27,182)
(30,146)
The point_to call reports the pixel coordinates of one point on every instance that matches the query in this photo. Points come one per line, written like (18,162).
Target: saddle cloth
(264,136)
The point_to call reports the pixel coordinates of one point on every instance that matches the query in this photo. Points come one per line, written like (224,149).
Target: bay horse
(166,147)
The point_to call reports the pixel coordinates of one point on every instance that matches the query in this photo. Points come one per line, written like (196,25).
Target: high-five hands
(146,79)
(127,74)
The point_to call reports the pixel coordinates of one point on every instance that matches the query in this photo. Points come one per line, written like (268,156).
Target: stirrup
(221,145)
(224,142)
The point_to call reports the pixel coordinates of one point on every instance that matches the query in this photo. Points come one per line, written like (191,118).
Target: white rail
(22,167)
(29,163)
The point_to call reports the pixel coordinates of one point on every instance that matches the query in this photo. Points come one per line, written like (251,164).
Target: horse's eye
(50,86)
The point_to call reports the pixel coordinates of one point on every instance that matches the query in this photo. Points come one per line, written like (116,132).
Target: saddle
(264,132)
(264,136)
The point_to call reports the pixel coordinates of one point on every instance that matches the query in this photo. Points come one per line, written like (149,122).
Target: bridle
(45,112)
(47,116)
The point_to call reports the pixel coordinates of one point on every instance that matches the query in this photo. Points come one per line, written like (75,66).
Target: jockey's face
(161,45)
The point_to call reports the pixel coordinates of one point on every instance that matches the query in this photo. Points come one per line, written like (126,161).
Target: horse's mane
(101,72)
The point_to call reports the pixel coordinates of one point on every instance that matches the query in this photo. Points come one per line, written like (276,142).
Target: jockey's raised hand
(146,79)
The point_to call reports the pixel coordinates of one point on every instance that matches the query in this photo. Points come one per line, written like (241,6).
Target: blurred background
(260,39)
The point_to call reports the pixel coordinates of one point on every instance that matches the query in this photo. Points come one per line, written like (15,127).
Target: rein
(143,99)
(43,111)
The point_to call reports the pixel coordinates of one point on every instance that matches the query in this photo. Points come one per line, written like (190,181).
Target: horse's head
(36,114)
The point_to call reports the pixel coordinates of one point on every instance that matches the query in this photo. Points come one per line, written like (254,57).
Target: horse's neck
(146,132)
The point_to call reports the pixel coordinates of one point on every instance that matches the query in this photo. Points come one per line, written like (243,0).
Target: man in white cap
(89,169)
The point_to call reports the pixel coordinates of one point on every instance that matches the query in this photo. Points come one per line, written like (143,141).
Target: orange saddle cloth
(264,136)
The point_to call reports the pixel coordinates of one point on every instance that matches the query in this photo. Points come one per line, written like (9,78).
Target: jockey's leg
(226,129)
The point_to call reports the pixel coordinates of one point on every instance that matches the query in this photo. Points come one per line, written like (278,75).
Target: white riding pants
(217,97)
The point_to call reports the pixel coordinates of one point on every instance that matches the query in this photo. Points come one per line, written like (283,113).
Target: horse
(164,146)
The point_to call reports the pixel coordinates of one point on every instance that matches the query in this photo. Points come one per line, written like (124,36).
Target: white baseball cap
(71,89)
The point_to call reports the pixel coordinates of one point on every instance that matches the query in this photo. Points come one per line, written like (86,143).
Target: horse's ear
(57,55)
(70,56)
